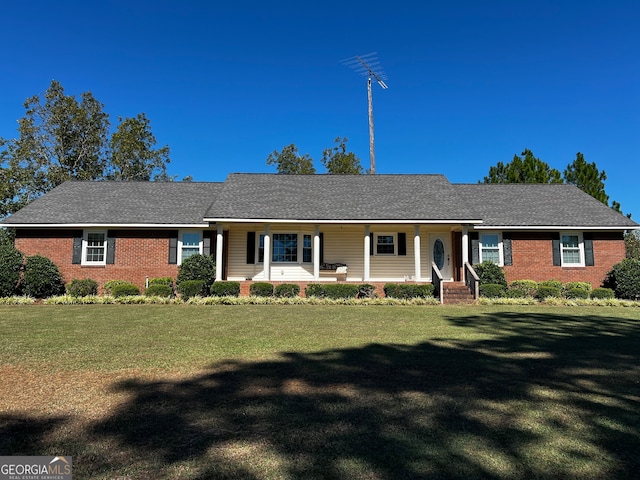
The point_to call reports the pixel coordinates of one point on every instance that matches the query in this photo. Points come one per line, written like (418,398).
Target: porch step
(457,293)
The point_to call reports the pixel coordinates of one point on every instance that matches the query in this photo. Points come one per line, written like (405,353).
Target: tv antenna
(369,66)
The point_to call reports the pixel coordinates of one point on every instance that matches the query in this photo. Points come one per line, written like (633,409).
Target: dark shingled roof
(113,203)
(339,197)
(537,205)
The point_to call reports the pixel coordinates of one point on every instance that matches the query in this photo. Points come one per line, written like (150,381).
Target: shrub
(366,290)
(576,292)
(624,279)
(332,290)
(111,284)
(82,288)
(41,278)
(225,289)
(10,270)
(198,267)
(604,293)
(545,291)
(517,293)
(551,283)
(490,272)
(585,286)
(190,288)
(287,290)
(161,281)
(124,289)
(314,290)
(529,287)
(408,290)
(261,289)
(492,290)
(158,290)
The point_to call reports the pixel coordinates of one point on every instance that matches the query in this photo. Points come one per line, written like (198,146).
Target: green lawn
(331,392)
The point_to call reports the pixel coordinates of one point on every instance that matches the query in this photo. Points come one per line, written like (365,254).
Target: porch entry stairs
(456,293)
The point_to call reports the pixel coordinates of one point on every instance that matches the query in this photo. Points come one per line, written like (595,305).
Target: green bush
(124,290)
(366,290)
(198,267)
(585,286)
(82,288)
(492,290)
(11,261)
(576,292)
(287,290)
(332,290)
(111,284)
(41,278)
(408,290)
(158,290)
(551,283)
(261,289)
(624,279)
(161,281)
(190,288)
(529,287)
(490,273)
(602,293)
(314,290)
(517,293)
(225,289)
(545,291)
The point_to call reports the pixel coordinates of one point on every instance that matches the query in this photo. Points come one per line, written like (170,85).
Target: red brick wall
(532,260)
(137,255)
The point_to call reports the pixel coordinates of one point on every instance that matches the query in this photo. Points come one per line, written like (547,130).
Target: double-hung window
(287,248)
(190,243)
(94,248)
(385,244)
(571,250)
(490,248)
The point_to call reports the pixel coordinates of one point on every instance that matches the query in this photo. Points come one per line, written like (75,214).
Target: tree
(338,161)
(526,169)
(290,162)
(632,244)
(132,152)
(587,178)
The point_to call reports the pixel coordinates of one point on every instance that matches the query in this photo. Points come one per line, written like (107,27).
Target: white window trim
(500,247)
(300,252)
(385,234)
(580,247)
(180,242)
(85,244)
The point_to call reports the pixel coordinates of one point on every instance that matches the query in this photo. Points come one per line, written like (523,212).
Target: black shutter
(371,246)
(251,248)
(206,242)
(173,248)
(77,248)
(475,251)
(321,248)
(588,250)
(506,251)
(111,247)
(402,243)
(555,243)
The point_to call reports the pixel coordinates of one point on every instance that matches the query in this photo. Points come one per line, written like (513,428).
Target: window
(285,247)
(490,248)
(571,249)
(94,248)
(190,244)
(385,244)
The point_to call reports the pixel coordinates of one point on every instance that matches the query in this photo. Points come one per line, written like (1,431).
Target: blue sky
(224,84)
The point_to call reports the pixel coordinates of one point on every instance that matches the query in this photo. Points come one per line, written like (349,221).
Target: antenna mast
(369,66)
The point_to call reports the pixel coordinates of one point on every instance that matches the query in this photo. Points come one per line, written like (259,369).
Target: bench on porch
(339,269)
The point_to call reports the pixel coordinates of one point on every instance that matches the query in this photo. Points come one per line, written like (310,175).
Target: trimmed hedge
(551,283)
(190,288)
(124,290)
(159,290)
(576,292)
(82,288)
(225,289)
(545,291)
(41,278)
(198,267)
(287,290)
(332,290)
(408,290)
(111,284)
(599,293)
(492,290)
(161,281)
(261,289)
(585,286)
(490,272)
(529,287)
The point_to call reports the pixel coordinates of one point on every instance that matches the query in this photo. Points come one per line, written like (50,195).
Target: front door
(440,253)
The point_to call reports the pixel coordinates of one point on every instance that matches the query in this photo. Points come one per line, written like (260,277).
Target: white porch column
(316,252)
(219,250)
(367,253)
(267,253)
(416,252)
(465,250)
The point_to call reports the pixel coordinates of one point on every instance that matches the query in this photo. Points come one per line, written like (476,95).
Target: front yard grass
(335,392)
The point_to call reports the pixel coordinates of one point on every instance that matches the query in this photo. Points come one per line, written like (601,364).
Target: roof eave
(385,221)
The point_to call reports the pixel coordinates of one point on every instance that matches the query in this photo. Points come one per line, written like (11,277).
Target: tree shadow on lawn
(545,396)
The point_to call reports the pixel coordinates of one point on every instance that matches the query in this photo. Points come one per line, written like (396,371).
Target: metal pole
(372,155)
